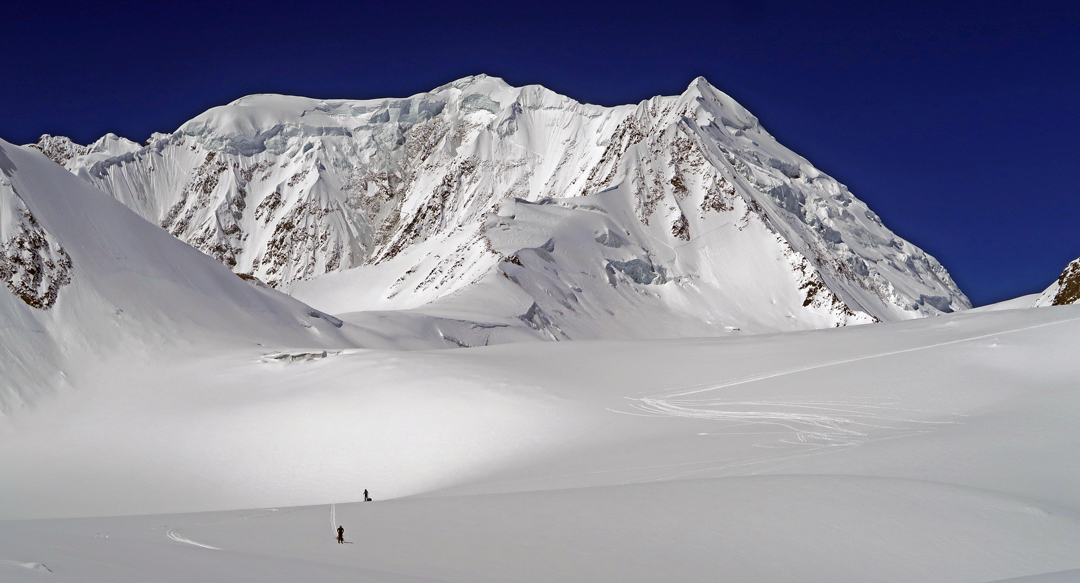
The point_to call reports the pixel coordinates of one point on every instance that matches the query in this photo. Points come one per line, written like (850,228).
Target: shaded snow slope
(679,209)
(84,276)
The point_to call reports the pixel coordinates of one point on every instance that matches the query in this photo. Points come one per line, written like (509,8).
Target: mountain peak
(475,84)
(521,209)
(701,83)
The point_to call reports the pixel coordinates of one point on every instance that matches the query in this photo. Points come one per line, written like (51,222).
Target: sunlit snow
(162,419)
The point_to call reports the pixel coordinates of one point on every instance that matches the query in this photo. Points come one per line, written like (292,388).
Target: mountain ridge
(85,278)
(288,189)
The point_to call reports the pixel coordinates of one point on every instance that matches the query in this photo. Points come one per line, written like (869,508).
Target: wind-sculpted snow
(678,209)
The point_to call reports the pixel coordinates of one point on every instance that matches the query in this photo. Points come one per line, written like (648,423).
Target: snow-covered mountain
(942,449)
(521,210)
(85,277)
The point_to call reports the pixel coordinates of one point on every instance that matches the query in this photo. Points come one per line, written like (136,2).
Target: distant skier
(366,497)
(341,535)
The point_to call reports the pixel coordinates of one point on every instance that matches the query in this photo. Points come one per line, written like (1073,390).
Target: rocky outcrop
(1064,291)
(33,265)
(59,149)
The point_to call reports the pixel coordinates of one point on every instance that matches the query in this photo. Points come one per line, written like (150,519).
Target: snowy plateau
(555,341)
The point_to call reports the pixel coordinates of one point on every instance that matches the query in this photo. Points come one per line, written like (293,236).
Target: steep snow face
(680,215)
(83,276)
(1064,291)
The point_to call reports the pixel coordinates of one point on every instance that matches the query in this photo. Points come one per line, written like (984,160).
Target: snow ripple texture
(682,208)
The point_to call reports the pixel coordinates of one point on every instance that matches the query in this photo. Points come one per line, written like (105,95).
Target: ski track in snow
(814,423)
(24,565)
(806,427)
(333,519)
(695,389)
(172,534)
(817,422)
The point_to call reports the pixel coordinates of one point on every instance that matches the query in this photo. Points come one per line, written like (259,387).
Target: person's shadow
(6,165)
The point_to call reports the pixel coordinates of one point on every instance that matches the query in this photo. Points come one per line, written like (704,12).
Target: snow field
(761,528)
(942,449)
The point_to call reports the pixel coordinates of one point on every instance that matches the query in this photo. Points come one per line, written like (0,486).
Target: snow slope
(518,209)
(938,449)
(1020,303)
(86,278)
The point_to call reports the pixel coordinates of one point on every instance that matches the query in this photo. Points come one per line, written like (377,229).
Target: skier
(341,535)
(366,497)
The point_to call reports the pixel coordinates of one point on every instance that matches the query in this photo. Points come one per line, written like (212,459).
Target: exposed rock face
(59,149)
(1064,291)
(33,265)
(62,150)
(681,205)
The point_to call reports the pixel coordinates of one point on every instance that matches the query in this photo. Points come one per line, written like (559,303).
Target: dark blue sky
(957,124)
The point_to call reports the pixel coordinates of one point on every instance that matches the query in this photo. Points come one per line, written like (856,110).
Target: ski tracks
(22,565)
(817,421)
(172,534)
(695,389)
